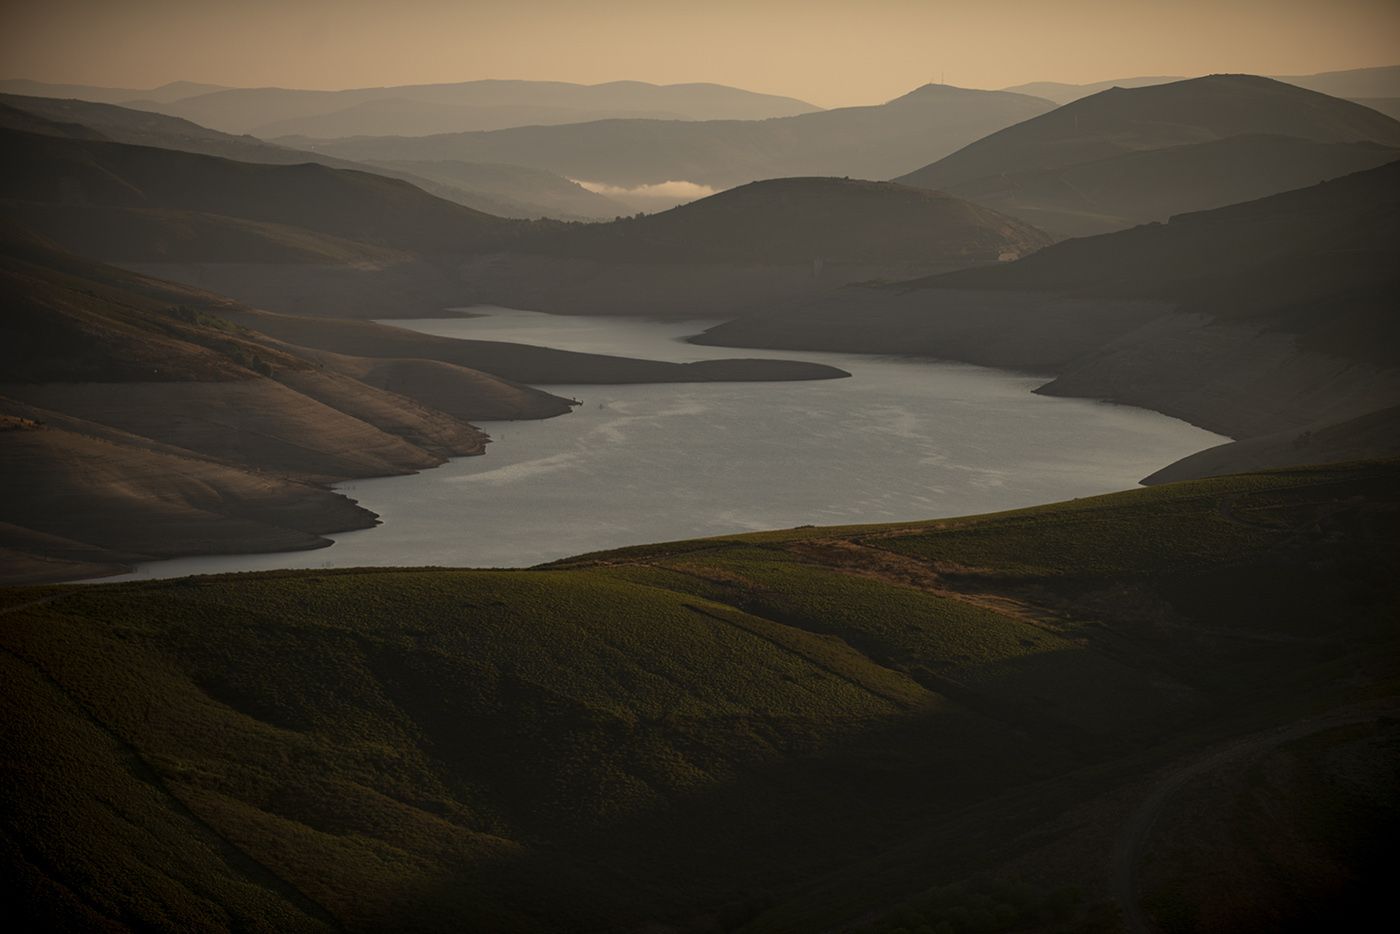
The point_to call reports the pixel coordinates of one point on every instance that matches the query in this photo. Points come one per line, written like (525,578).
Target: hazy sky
(830,53)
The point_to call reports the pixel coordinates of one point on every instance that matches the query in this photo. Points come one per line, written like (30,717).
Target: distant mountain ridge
(861,142)
(173,91)
(486,104)
(1352,84)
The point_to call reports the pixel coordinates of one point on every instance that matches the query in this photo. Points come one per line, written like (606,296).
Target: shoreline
(919,360)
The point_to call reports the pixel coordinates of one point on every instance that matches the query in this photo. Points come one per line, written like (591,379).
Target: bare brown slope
(86,500)
(71,320)
(110,354)
(863,142)
(142,424)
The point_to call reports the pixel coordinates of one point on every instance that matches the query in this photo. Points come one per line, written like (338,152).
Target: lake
(901,439)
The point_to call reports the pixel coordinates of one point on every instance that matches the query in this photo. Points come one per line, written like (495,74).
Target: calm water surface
(901,439)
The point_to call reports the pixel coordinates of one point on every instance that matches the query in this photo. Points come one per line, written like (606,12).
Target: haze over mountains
(861,142)
(312,239)
(431,108)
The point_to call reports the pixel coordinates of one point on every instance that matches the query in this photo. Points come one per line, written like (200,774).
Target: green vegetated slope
(942,723)
(1127,156)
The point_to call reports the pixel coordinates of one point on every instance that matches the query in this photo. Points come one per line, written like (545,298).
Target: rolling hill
(960,724)
(173,91)
(861,142)
(1070,164)
(797,220)
(506,191)
(758,246)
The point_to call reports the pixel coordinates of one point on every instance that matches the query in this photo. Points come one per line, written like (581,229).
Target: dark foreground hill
(760,245)
(1131,155)
(1122,710)
(862,142)
(1275,315)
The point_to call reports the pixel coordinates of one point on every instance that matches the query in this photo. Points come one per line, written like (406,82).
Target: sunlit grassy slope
(872,728)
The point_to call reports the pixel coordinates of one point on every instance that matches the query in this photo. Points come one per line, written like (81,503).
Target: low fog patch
(650,198)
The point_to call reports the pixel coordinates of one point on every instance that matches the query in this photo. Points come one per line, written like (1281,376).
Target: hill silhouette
(1128,120)
(506,191)
(862,142)
(872,727)
(1139,187)
(759,246)
(172,91)
(797,220)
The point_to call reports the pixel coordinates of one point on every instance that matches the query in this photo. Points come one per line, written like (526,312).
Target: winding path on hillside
(1137,830)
